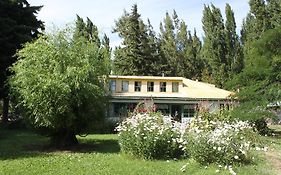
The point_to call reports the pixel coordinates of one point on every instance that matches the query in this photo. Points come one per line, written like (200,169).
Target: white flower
(183,168)
(265,149)
(231,171)
(236,157)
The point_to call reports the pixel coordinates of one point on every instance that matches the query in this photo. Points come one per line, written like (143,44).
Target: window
(175,87)
(125,86)
(150,86)
(137,86)
(189,111)
(163,108)
(112,85)
(163,86)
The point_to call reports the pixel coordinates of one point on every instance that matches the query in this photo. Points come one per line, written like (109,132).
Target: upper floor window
(163,86)
(150,86)
(125,86)
(112,85)
(137,86)
(175,87)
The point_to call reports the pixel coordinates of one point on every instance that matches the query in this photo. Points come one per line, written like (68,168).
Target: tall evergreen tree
(179,48)
(274,12)
(263,16)
(90,32)
(256,22)
(214,47)
(168,45)
(198,63)
(234,55)
(18,24)
(135,57)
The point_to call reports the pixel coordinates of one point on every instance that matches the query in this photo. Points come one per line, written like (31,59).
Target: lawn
(24,152)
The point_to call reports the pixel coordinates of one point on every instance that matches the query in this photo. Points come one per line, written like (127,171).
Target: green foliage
(18,25)
(179,48)
(221,46)
(149,136)
(138,56)
(59,83)
(89,32)
(220,141)
(259,82)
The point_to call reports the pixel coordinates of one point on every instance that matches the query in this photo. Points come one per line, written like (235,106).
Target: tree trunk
(63,139)
(5,109)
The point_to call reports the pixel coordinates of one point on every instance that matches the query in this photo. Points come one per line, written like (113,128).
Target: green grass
(23,152)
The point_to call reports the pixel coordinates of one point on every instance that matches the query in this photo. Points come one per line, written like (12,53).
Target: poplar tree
(180,48)
(90,32)
(168,45)
(214,47)
(256,22)
(234,55)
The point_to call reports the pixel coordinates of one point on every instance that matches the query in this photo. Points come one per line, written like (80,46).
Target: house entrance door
(176,112)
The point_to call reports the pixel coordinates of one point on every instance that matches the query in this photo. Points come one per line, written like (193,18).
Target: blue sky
(103,13)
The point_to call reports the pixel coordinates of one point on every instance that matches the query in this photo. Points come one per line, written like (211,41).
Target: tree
(136,56)
(90,32)
(214,48)
(234,55)
(179,48)
(59,82)
(263,15)
(222,47)
(168,44)
(259,82)
(18,24)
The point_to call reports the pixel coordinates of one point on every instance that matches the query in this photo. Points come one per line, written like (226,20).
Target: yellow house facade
(174,96)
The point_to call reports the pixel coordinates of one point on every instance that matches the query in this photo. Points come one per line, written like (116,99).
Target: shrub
(220,142)
(151,136)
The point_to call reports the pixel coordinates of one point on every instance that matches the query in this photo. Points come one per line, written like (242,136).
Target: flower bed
(154,136)
(151,136)
(226,143)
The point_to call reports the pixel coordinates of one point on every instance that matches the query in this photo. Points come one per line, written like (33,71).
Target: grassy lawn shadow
(12,144)
(16,144)
(84,146)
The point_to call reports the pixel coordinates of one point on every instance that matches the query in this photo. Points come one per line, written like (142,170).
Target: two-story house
(174,96)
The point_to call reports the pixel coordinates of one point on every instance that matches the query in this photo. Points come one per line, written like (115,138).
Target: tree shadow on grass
(90,146)
(15,144)
(100,146)
(12,141)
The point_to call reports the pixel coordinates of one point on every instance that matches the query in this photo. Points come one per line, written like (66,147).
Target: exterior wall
(144,86)
(179,104)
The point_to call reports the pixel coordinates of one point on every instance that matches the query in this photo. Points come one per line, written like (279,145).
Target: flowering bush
(209,138)
(151,136)
(219,142)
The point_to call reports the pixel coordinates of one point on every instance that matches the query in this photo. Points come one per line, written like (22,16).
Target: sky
(104,13)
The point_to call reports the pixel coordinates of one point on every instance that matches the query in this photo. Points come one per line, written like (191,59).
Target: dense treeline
(177,51)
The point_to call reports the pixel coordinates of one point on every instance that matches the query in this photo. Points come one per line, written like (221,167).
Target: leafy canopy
(59,82)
